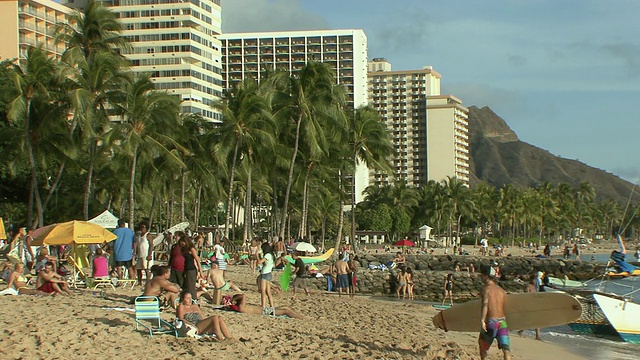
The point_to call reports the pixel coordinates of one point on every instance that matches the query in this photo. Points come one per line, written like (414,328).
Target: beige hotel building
(25,23)
(429,131)
(176,42)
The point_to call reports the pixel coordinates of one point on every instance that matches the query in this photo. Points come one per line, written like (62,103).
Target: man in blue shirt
(123,249)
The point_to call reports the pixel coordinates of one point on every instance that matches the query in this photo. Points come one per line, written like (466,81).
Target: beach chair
(148,310)
(78,277)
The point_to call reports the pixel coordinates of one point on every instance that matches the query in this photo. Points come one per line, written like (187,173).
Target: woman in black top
(192,269)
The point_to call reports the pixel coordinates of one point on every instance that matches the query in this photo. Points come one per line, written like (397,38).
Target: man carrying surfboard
(493,318)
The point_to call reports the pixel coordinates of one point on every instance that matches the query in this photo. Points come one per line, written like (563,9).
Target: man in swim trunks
(50,282)
(161,287)
(342,281)
(215,276)
(493,319)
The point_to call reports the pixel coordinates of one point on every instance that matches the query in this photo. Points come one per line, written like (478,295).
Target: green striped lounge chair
(148,316)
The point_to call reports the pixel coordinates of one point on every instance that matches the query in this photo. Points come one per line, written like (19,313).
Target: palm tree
(371,145)
(93,38)
(247,126)
(94,29)
(303,101)
(149,126)
(38,109)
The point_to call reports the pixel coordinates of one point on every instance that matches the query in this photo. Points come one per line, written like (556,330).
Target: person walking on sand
(448,289)
(342,280)
(493,319)
(300,269)
(123,249)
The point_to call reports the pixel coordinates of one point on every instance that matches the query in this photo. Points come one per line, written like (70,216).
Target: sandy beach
(86,325)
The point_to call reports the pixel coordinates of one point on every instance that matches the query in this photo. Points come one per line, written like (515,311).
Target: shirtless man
(342,281)
(494,323)
(238,303)
(161,287)
(279,248)
(50,282)
(215,276)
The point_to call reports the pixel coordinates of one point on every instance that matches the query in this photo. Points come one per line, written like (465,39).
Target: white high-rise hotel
(176,41)
(248,55)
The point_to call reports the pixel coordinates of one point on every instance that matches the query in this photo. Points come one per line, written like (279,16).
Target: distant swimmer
(493,318)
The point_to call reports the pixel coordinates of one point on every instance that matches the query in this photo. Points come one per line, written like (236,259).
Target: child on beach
(402,283)
(448,289)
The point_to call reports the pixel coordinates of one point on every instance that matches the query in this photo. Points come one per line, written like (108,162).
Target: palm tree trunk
(182,196)
(353,204)
(152,212)
(54,186)
(228,214)
(196,211)
(87,186)
(340,219)
(285,210)
(305,204)
(247,232)
(132,177)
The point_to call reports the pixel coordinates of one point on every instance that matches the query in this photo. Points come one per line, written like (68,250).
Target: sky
(564,75)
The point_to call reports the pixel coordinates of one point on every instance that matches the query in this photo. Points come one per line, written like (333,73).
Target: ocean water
(595,346)
(589,346)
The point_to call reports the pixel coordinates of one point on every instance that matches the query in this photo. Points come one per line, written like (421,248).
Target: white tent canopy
(107,220)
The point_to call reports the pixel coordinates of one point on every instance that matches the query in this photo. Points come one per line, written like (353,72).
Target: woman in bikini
(448,289)
(254,250)
(409,278)
(18,281)
(190,313)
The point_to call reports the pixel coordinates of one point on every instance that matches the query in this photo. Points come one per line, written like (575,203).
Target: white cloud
(268,15)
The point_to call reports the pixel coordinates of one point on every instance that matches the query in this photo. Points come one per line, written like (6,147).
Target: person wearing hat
(493,319)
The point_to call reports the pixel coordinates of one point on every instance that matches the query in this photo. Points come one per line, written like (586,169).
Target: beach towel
(9,291)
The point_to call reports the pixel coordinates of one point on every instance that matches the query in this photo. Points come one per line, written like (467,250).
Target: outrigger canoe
(312,259)
(635,272)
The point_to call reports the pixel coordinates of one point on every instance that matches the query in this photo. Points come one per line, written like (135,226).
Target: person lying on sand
(49,281)
(215,276)
(18,282)
(161,287)
(237,303)
(190,314)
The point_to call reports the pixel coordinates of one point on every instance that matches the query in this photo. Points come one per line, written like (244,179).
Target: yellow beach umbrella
(71,232)
(3,233)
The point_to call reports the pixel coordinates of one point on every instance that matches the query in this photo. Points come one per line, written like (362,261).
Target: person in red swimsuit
(49,281)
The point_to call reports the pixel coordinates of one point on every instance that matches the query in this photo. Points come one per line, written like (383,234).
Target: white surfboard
(523,311)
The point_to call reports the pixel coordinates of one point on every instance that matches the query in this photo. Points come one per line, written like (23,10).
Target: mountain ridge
(499,157)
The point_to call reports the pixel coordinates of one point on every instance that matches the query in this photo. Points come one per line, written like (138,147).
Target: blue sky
(565,75)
